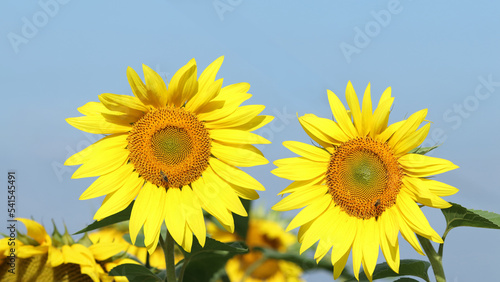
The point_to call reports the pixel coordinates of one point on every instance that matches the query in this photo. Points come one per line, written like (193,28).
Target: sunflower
(114,234)
(361,184)
(261,233)
(176,149)
(40,256)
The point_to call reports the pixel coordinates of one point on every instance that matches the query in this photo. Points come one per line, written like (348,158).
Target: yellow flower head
(361,185)
(44,258)
(261,233)
(174,150)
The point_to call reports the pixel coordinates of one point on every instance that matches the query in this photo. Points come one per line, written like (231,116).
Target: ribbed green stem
(168,249)
(434,258)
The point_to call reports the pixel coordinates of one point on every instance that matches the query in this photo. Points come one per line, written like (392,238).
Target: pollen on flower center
(169,147)
(364,177)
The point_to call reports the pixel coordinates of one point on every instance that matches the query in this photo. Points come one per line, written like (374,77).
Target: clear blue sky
(57,55)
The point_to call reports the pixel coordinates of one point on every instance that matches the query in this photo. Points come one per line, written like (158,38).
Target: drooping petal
(417,165)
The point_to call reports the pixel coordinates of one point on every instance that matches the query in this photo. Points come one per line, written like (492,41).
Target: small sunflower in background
(264,233)
(360,186)
(114,234)
(41,257)
(174,150)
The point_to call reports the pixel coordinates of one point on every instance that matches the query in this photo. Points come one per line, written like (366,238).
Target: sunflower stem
(434,258)
(168,249)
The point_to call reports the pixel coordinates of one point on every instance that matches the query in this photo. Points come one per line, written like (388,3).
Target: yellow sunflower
(114,234)
(361,185)
(40,257)
(261,233)
(176,149)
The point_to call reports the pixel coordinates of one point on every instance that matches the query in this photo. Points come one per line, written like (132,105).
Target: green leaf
(241,222)
(406,279)
(302,261)
(214,245)
(207,263)
(117,217)
(422,150)
(134,272)
(411,267)
(456,216)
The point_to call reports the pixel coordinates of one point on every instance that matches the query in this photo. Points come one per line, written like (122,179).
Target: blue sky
(57,55)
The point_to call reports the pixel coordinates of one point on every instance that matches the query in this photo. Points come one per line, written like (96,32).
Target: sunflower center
(169,147)
(364,177)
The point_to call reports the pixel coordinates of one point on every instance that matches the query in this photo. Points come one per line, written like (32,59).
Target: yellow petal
(367,112)
(121,198)
(224,192)
(308,151)
(97,124)
(241,116)
(381,114)
(323,129)
(301,198)
(235,175)
(237,136)
(409,236)
(126,104)
(390,248)
(417,165)
(296,185)
(389,131)
(410,125)
(217,109)
(181,86)
(210,201)
(370,245)
(140,210)
(353,102)
(340,114)
(108,183)
(35,230)
(413,140)
(439,188)
(174,217)
(300,170)
(156,88)
(203,97)
(106,143)
(415,218)
(93,108)
(193,214)
(103,251)
(422,194)
(138,87)
(310,212)
(155,217)
(207,77)
(255,123)
(243,155)
(108,161)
